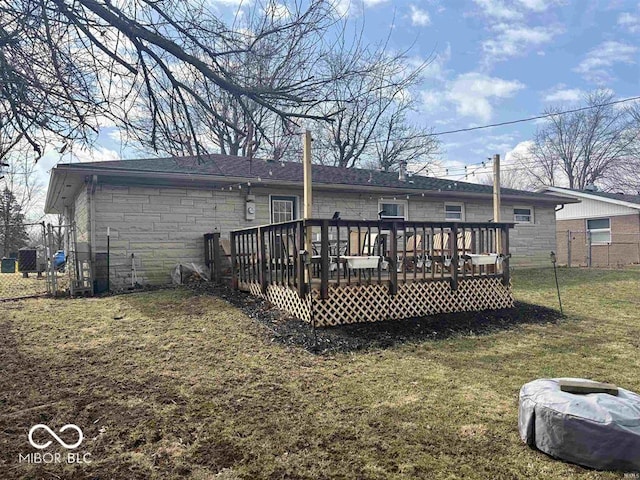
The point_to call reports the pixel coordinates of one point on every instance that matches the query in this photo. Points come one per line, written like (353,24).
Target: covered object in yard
(597,430)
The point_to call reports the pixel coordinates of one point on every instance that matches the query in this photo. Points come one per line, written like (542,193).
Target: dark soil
(375,335)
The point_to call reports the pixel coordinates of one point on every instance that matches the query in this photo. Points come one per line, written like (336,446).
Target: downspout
(561,207)
(67,220)
(92,218)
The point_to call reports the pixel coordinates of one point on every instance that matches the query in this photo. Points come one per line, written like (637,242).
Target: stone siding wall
(161,227)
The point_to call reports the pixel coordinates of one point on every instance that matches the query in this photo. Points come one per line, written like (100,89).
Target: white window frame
(454,204)
(527,207)
(296,205)
(405,203)
(598,230)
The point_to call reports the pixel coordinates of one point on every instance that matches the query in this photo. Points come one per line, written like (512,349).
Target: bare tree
(586,147)
(371,125)
(396,141)
(21,178)
(628,178)
(13,234)
(68,67)
(514,177)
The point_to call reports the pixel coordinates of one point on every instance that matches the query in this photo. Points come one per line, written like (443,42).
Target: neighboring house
(602,230)
(158,209)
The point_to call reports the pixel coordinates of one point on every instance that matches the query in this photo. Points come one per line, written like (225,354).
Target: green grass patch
(170,384)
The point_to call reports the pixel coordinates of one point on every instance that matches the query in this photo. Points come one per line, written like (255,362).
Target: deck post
(324,260)
(506,274)
(454,257)
(262,261)
(217,268)
(496,194)
(234,262)
(393,258)
(302,261)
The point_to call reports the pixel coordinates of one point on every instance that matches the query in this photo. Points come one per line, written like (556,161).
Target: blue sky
(493,61)
(500,60)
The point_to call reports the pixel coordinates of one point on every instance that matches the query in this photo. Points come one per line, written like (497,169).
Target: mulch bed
(375,335)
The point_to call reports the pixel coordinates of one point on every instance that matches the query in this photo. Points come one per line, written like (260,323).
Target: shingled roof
(613,196)
(220,166)
(605,196)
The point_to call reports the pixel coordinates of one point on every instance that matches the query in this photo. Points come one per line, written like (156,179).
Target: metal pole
(555,272)
(108,255)
(52,270)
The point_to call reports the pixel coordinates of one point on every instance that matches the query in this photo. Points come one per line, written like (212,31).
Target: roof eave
(204,179)
(562,191)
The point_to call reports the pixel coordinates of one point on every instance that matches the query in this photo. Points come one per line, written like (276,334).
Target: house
(158,210)
(603,229)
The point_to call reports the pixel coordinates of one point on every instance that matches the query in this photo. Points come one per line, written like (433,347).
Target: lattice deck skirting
(370,303)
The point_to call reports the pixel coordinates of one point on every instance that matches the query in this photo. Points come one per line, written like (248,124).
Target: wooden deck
(360,271)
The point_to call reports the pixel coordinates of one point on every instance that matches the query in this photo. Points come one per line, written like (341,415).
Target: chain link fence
(33,261)
(580,249)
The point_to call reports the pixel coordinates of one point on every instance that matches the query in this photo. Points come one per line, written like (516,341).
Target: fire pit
(597,430)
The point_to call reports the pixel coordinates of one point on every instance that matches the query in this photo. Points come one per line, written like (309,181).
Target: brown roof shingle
(229,166)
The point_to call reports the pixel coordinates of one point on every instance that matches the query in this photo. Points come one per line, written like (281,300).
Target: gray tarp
(189,272)
(596,430)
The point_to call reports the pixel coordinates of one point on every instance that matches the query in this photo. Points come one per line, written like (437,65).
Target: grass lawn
(170,384)
(14,285)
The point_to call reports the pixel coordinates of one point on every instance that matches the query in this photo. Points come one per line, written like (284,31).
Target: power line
(537,117)
(499,124)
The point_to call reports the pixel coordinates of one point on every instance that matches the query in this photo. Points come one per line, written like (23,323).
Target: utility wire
(537,117)
(499,124)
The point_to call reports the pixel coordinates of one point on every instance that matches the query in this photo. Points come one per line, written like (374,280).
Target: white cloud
(431,100)
(569,95)
(520,151)
(515,40)
(513,10)
(436,70)
(419,17)
(498,9)
(373,3)
(595,67)
(538,5)
(630,22)
(342,7)
(472,92)
(94,154)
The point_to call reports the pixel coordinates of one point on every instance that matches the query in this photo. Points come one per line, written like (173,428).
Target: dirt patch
(289,330)
(34,392)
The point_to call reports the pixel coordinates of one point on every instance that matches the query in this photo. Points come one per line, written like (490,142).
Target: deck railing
(326,252)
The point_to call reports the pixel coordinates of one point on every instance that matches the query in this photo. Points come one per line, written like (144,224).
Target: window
(283,208)
(454,212)
(523,214)
(600,230)
(394,209)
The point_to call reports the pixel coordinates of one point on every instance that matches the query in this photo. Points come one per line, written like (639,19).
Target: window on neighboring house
(600,230)
(454,212)
(394,209)
(523,214)
(283,208)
